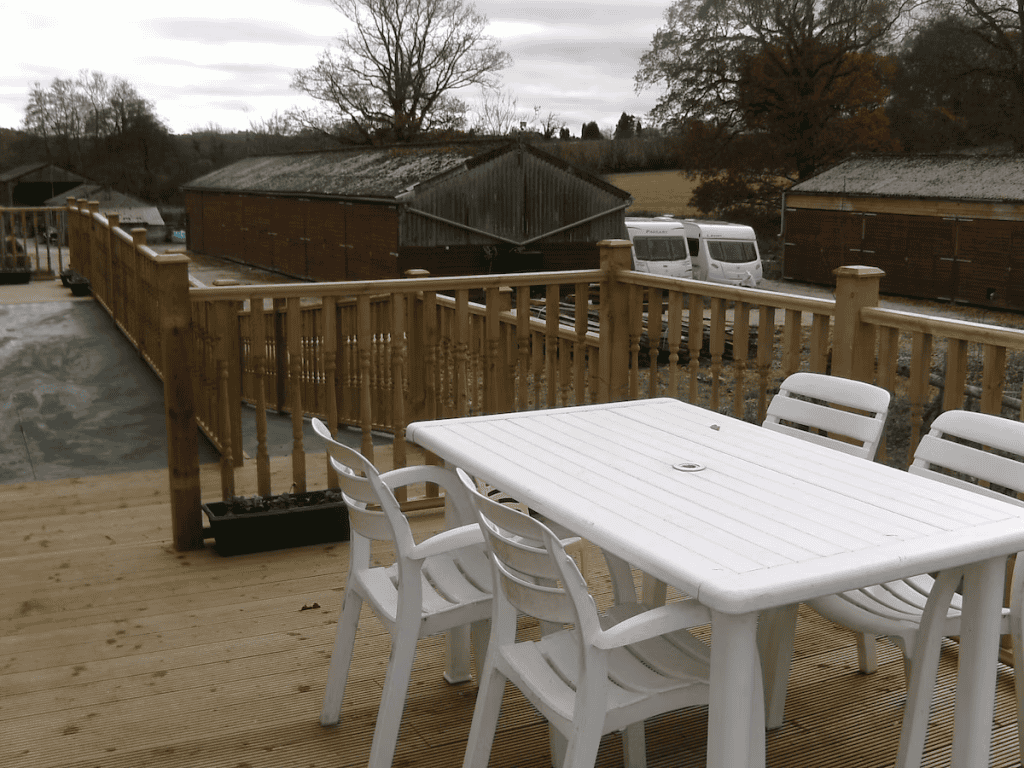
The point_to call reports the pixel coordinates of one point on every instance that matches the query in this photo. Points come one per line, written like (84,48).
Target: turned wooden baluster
(740,354)
(695,341)
(399,353)
(636,327)
(294,342)
(791,342)
(329,308)
(523,346)
(920,380)
(259,354)
(717,349)
(765,353)
(579,357)
(365,354)
(461,339)
(655,302)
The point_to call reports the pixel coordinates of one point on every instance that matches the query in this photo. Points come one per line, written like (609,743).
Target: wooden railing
(34,238)
(377,355)
(146,294)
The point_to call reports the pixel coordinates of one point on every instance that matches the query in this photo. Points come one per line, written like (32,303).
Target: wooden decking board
(218,666)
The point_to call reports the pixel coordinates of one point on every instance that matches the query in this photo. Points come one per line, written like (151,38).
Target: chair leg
(558,744)
(867,653)
(776,629)
(341,658)
(392,701)
(1017,644)
(585,741)
(480,635)
(634,746)
(485,718)
(921,684)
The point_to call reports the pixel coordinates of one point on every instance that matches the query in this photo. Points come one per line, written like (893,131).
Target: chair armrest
(645,625)
(446,541)
(421,473)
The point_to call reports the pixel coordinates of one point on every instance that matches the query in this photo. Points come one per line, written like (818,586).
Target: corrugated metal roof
(130,209)
(365,173)
(946,177)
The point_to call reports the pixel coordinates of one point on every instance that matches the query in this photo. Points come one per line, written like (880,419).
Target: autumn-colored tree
(816,103)
(791,85)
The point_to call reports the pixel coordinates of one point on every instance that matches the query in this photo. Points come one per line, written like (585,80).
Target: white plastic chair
(845,415)
(439,584)
(952,452)
(602,673)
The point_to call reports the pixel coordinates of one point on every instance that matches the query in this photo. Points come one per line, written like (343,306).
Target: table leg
(979,651)
(736,710)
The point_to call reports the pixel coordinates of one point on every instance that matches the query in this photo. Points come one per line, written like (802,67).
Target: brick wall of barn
(320,239)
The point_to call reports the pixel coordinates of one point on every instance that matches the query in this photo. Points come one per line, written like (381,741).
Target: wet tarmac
(76,399)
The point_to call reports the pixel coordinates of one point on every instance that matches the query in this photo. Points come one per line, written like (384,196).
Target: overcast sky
(214,62)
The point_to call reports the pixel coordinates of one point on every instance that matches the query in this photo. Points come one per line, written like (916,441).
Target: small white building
(131,211)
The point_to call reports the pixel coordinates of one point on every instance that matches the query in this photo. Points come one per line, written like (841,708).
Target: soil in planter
(259,524)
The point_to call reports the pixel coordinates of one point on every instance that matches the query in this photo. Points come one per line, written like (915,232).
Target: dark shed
(30,184)
(947,227)
(451,209)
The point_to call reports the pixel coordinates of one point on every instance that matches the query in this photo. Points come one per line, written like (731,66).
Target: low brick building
(361,214)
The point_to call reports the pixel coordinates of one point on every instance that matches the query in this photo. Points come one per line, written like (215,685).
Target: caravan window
(732,251)
(659,248)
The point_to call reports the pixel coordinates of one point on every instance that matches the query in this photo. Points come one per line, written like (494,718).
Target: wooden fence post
(179,403)
(853,341)
(613,373)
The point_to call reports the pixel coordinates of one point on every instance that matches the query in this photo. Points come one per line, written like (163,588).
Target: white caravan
(723,252)
(659,246)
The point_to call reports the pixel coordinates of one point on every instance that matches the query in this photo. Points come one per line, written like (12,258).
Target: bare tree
(498,114)
(393,76)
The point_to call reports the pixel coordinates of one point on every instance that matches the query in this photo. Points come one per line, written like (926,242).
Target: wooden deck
(117,652)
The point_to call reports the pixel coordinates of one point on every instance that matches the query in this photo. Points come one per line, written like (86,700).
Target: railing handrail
(384,287)
(964,330)
(30,208)
(747,295)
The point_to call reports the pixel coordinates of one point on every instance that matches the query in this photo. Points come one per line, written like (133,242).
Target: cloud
(220,31)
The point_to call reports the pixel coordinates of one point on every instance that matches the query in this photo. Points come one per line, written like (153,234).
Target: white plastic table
(762,521)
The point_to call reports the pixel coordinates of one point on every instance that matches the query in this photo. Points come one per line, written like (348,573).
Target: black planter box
(15,276)
(309,519)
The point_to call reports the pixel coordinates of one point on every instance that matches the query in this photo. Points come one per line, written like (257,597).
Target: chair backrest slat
(536,575)
(943,451)
(841,414)
(386,523)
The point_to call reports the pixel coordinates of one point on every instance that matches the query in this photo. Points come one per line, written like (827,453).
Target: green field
(657,192)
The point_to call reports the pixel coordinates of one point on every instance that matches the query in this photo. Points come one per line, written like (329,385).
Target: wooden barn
(453,209)
(947,227)
(30,184)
